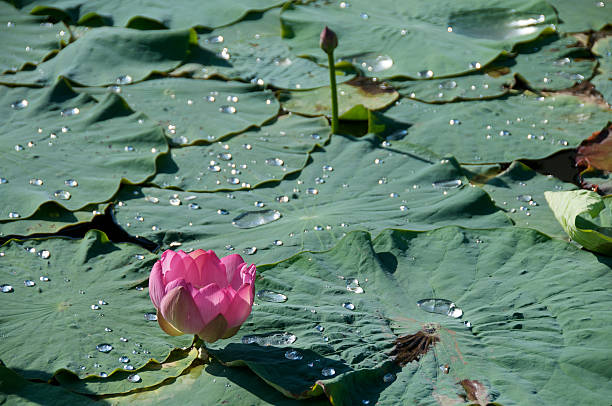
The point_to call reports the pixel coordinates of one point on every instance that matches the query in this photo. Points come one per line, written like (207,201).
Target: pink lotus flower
(198,293)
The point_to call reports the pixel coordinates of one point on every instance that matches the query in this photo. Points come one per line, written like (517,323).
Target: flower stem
(334,93)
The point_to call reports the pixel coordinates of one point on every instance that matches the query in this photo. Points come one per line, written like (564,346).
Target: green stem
(334,93)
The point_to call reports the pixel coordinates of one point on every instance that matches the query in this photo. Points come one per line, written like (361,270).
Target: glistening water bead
(293,355)
(105,348)
(271,296)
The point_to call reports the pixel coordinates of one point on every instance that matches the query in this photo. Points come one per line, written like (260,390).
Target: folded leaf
(585,216)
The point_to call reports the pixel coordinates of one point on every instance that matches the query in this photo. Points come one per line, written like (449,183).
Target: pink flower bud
(328,41)
(198,293)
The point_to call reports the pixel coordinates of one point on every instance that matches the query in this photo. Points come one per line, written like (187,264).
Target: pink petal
(211,301)
(182,266)
(209,270)
(156,284)
(166,258)
(240,307)
(233,263)
(179,309)
(248,274)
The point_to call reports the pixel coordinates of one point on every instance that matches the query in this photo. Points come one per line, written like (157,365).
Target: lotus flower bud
(328,41)
(198,293)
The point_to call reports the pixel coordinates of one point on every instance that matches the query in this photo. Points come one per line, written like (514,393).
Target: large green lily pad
(253,50)
(148,13)
(89,287)
(50,218)
(474,86)
(500,130)
(64,147)
(119,382)
(15,390)
(200,110)
(107,56)
(355,99)
(522,312)
(261,155)
(519,191)
(603,81)
(553,62)
(27,39)
(416,39)
(582,16)
(351,184)
(215,384)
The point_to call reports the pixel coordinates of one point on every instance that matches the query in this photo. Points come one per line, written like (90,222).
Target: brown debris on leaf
(596,151)
(411,347)
(585,91)
(475,391)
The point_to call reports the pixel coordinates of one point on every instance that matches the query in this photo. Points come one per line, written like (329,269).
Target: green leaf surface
(552,62)
(500,130)
(107,56)
(27,39)
(87,286)
(215,384)
(474,86)
(585,216)
(578,16)
(254,157)
(200,110)
(15,390)
(519,191)
(119,382)
(64,147)
(253,50)
(416,39)
(50,218)
(351,184)
(603,81)
(531,338)
(149,14)
(355,99)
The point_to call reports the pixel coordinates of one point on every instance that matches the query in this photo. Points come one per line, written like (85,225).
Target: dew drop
(388,378)
(447,184)
(249,250)
(275,162)
(252,219)
(277,243)
(233,181)
(150,316)
(6,288)
(124,359)
(62,194)
(36,182)
(319,328)
(105,348)
(124,80)
(134,378)
(70,112)
(348,306)
(175,201)
(425,74)
(280,339)
(71,183)
(20,104)
(312,191)
(271,296)
(227,109)
(328,372)
(222,212)
(14,215)
(193,206)
(29,283)
(440,306)
(293,355)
